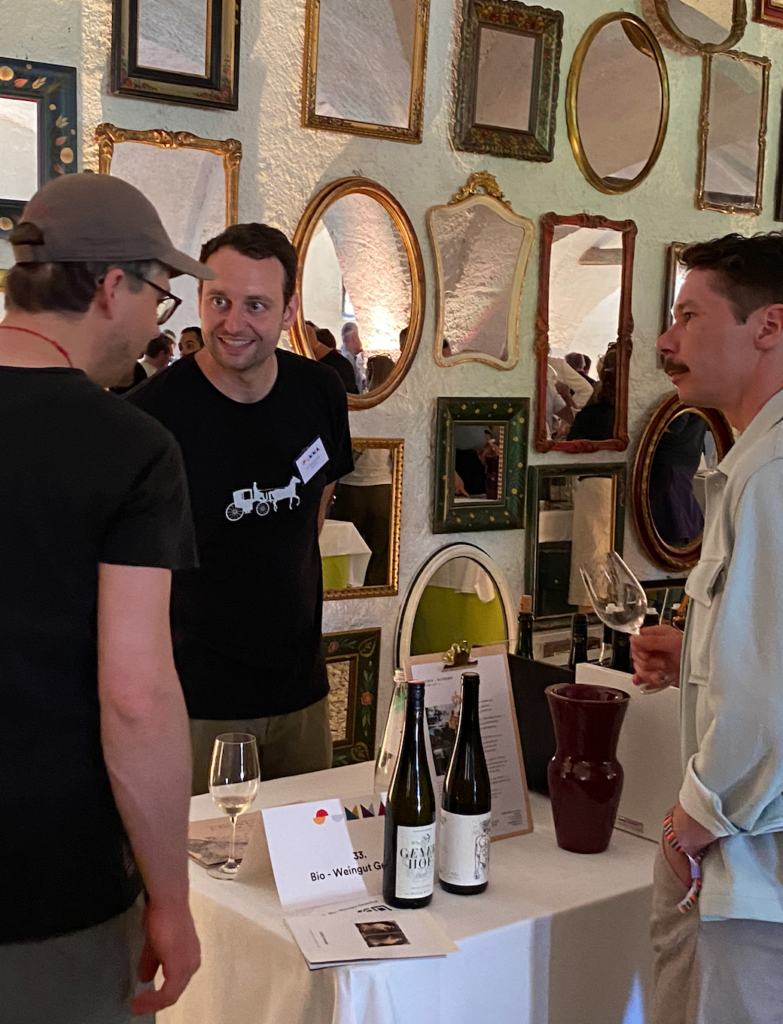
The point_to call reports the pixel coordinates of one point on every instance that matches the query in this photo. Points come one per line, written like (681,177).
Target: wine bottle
(466,803)
(605,657)
(392,735)
(409,840)
(525,627)
(578,641)
(621,651)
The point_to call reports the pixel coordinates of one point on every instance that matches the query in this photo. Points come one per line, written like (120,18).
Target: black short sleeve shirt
(247,623)
(85,479)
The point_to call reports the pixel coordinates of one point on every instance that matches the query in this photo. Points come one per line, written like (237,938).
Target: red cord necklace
(25,330)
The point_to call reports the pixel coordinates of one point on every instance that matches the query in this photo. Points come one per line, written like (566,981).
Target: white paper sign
(499,732)
(326,850)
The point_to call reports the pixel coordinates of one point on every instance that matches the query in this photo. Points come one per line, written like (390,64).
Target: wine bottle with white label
(467,801)
(409,845)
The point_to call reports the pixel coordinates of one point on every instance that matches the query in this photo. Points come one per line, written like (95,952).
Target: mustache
(671,366)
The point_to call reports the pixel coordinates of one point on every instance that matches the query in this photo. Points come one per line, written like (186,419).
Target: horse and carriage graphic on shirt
(264,500)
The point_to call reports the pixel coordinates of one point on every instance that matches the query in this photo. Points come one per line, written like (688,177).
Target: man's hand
(692,836)
(656,653)
(172,944)
(679,863)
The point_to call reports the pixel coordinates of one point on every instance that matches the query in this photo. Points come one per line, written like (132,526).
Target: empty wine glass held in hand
(234,775)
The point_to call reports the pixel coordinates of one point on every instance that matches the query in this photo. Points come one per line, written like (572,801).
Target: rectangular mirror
(583,333)
(352,666)
(38,131)
(507,82)
(575,514)
(674,275)
(364,67)
(480,462)
(192,182)
(162,51)
(734,102)
(769,12)
(360,540)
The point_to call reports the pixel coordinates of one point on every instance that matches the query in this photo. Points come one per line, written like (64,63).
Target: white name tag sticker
(311,460)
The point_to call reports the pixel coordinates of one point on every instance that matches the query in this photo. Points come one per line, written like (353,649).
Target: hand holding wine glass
(233,783)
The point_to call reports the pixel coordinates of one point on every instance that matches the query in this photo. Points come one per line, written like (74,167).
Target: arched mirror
(705,26)
(617,102)
(680,445)
(360,279)
(458,594)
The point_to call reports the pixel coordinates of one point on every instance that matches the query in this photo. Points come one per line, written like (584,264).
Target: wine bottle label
(415,862)
(464,848)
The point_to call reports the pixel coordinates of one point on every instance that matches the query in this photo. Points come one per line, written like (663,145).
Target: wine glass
(234,775)
(618,597)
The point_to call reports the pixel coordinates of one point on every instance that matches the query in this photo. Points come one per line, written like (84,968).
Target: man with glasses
(94,517)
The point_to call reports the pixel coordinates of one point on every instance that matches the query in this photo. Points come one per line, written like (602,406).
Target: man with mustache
(265,437)
(720,950)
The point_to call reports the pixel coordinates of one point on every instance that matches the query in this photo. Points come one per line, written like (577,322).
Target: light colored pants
(290,744)
(712,972)
(87,977)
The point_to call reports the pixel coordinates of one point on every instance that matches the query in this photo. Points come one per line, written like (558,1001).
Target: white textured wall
(284,165)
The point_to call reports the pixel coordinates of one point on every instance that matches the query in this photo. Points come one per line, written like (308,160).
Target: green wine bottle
(409,840)
(467,801)
(525,627)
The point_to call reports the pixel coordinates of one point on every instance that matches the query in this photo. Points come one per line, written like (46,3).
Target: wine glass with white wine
(233,783)
(618,598)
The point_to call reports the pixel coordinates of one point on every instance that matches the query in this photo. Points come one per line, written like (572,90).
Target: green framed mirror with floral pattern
(352,666)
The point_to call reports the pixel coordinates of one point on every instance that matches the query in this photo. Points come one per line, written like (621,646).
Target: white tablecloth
(558,938)
(342,538)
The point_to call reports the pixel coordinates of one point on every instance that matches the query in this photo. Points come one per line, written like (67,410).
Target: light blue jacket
(732,678)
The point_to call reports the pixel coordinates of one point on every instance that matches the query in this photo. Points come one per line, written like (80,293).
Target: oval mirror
(706,26)
(361,284)
(680,445)
(458,594)
(617,102)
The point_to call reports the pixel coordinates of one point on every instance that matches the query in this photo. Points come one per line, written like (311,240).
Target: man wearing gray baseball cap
(95,516)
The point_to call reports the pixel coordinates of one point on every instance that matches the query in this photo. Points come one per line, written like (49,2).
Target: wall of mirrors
(360,540)
(679,447)
(360,264)
(458,594)
(481,251)
(584,308)
(575,515)
(734,104)
(706,26)
(364,67)
(507,81)
(617,102)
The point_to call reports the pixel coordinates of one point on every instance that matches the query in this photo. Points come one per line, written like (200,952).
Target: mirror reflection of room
(478,463)
(172,39)
(708,21)
(19,132)
(460,602)
(504,84)
(683,456)
(362,515)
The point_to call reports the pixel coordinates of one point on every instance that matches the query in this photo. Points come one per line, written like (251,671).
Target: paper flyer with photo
(499,732)
(209,841)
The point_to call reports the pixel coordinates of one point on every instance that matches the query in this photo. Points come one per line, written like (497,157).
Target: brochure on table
(499,732)
(209,841)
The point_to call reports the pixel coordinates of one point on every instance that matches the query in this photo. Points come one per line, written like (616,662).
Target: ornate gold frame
(315,209)
(397,446)
(108,136)
(739,21)
(664,555)
(376,131)
(704,130)
(633,25)
(470,195)
(2,279)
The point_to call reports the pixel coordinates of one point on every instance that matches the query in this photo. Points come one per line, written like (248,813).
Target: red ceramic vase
(585,777)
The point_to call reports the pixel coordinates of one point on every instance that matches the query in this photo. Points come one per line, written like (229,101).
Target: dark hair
(193,330)
(378,369)
(158,346)
(348,328)
(575,360)
(259,242)
(588,362)
(326,337)
(749,271)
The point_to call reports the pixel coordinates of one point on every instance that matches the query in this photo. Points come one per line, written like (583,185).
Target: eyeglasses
(167,304)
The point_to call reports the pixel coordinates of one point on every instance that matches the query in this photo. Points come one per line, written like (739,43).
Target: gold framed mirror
(617,102)
(679,446)
(364,67)
(704,26)
(361,277)
(481,252)
(732,137)
(360,540)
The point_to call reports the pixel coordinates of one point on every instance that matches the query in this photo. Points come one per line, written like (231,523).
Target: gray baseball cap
(98,218)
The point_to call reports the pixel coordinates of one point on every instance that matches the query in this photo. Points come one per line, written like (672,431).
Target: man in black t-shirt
(324,348)
(93,518)
(265,436)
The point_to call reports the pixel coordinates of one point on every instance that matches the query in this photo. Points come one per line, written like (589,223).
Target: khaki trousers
(712,972)
(290,744)
(87,977)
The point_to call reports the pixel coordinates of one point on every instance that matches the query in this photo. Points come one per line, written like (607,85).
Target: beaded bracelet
(688,902)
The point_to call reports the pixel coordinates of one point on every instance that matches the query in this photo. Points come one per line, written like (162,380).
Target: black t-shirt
(344,369)
(84,479)
(247,623)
